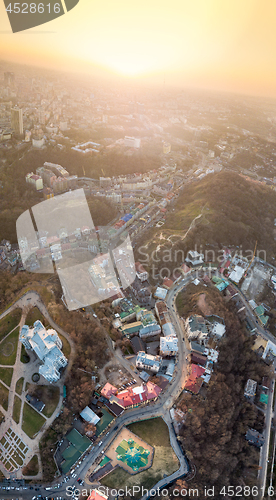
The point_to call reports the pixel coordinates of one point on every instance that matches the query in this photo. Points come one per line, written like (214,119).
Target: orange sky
(220,44)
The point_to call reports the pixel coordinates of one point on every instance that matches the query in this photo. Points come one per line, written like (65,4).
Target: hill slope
(223,209)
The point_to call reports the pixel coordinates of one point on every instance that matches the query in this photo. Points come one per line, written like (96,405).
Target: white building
(141,273)
(88,415)
(194,258)
(148,362)
(38,142)
(35,180)
(168,346)
(237,274)
(47,346)
(250,388)
(160,293)
(218,329)
(132,142)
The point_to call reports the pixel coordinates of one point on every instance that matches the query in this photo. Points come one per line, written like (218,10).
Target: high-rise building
(8,79)
(17,120)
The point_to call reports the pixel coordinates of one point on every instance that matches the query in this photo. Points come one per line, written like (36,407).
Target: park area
(32,421)
(12,450)
(130,452)
(153,432)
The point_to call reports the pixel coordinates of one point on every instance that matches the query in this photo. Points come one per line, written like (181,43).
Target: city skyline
(219,46)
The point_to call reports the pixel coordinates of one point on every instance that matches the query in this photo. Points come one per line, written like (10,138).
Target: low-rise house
(89,416)
(196,328)
(160,293)
(108,390)
(160,309)
(146,317)
(168,330)
(197,348)
(36,403)
(168,346)
(137,344)
(198,359)
(167,283)
(131,328)
(141,273)
(147,362)
(133,396)
(149,331)
(194,258)
(195,381)
(141,290)
(250,389)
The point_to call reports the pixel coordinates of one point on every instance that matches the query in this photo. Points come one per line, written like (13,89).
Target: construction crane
(83,170)
(253,257)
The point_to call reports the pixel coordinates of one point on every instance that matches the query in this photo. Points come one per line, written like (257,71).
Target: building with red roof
(133,396)
(97,495)
(167,283)
(108,390)
(195,381)
(186,269)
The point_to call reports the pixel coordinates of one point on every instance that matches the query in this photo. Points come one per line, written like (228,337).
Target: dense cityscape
(137,289)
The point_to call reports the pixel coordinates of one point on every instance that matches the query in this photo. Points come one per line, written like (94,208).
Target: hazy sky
(220,44)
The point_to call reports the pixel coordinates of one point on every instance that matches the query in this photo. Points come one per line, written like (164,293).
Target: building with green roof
(264,398)
(105,421)
(77,447)
(260,311)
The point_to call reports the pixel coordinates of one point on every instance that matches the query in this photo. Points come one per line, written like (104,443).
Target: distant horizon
(212,45)
(143,82)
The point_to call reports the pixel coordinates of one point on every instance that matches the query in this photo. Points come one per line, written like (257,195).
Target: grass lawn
(50,398)
(17,458)
(4,396)
(33,315)
(43,291)
(9,322)
(8,348)
(6,375)
(32,421)
(19,386)
(155,433)
(24,357)
(16,409)
(32,468)
(66,349)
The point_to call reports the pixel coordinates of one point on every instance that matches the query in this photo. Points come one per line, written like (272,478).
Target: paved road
(265,448)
